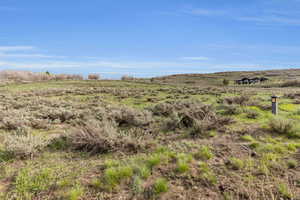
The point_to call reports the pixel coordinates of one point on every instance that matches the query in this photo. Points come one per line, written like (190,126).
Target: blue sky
(149,38)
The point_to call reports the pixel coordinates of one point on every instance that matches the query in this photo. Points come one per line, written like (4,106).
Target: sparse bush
(225,82)
(199,129)
(25,145)
(231,110)
(154,160)
(291,84)
(39,123)
(61,114)
(126,116)
(284,127)
(93,76)
(183,161)
(30,182)
(207,174)
(292,163)
(114,176)
(127,78)
(75,193)
(163,109)
(240,100)
(248,138)
(12,123)
(284,191)
(252,114)
(204,153)
(143,171)
(235,163)
(100,138)
(173,122)
(160,186)
(137,185)
(60,77)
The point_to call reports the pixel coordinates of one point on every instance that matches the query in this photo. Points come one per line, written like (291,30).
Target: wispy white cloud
(100,64)
(271,20)
(205,12)
(15,48)
(271,14)
(6,55)
(23,52)
(195,58)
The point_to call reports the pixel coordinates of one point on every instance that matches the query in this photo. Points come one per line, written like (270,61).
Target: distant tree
(127,78)
(94,77)
(48,73)
(225,82)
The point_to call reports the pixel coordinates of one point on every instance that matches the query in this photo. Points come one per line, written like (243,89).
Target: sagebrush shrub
(25,145)
(252,114)
(126,116)
(231,109)
(240,100)
(101,138)
(284,127)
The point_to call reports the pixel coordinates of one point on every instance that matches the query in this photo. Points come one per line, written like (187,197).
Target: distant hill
(216,78)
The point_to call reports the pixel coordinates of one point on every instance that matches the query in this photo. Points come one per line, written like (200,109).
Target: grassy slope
(242,160)
(216,78)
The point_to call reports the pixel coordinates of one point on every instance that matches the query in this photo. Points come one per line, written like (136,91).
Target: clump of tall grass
(159,187)
(204,153)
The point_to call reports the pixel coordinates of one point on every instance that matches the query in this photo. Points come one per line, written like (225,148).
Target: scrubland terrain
(189,138)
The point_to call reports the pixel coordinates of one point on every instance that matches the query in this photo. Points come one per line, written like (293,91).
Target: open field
(191,138)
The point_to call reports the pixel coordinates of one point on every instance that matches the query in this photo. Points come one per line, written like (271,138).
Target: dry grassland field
(196,136)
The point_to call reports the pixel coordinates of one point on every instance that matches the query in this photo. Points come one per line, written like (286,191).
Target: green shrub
(207,174)
(225,82)
(182,166)
(154,160)
(204,153)
(283,189)
(160,186)
(29,182)
(75,193)
(142,171)
(137,185)
(113,176)
(247,138)
(231,109)
(236,164)
(292,163)
(252,114)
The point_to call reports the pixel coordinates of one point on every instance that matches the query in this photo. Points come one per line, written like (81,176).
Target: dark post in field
(274,104)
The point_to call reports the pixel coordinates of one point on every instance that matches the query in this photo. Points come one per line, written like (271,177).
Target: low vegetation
(177,137)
